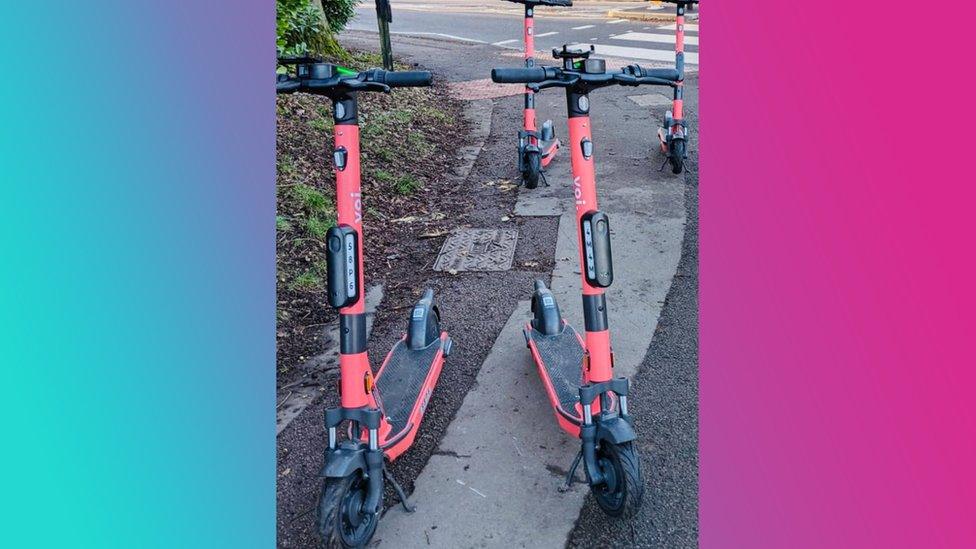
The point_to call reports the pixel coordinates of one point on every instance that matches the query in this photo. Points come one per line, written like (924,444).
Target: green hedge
(308,27)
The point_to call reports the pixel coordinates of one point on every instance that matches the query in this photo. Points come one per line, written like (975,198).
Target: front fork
(611,426)
(353,456)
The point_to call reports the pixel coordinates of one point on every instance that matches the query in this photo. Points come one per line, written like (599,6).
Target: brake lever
(552,83)
(656,81)
(630,80)
(359,85)
(626,80)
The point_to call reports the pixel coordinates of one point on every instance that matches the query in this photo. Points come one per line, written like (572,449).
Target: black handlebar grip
(664,73)
(287,86)
(518,76)
(408,79)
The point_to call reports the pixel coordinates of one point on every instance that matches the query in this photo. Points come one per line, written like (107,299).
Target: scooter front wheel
(342,522)
(677,156)
(533,167)
(621,493)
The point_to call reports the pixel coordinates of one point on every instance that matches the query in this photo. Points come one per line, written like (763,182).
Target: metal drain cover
(478,250)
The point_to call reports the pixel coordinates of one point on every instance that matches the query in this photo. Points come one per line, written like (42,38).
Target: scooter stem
(584,191)
(353,361)
(530,120)
(679,61)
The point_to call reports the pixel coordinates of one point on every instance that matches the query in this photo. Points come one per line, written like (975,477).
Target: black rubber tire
(677,156)
(621,465)
(335,530)
(533,167)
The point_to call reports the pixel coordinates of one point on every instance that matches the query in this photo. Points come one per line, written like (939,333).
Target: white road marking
(505,42)
(546,34)
(583,27)
(615,21)
(656,38)
(440,34)
(640,53)
(691,27)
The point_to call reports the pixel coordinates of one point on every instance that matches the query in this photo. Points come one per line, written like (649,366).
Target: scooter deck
(549,150)
(401,380)
(560,361)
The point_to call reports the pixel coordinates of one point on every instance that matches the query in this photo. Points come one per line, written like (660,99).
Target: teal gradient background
(137,285)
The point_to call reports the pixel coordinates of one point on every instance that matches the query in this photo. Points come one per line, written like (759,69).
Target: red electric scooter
(383,412)
(673,133)
(536,147)
(577,370)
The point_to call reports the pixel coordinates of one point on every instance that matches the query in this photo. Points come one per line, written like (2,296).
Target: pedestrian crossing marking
(656,38)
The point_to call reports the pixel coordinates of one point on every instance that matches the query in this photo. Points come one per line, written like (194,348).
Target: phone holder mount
(579,60)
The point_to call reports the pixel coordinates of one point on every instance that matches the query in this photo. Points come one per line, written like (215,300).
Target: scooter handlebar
(406,79)
(525,75)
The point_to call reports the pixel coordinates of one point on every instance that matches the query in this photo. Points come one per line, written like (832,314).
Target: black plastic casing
(597,257)
(342,264)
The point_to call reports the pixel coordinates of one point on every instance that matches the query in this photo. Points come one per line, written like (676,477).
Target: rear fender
(424,327)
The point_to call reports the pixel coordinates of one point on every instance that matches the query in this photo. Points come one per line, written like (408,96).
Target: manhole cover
(478,250)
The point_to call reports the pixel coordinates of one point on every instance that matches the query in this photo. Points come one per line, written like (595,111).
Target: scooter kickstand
(571,475)
(399,489)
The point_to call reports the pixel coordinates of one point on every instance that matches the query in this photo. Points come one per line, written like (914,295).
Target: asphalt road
(500,23)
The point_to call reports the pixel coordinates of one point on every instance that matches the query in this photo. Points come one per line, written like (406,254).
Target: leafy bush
(308,27)
(338,13)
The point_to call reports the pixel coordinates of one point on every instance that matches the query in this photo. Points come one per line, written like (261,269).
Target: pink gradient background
(837,275)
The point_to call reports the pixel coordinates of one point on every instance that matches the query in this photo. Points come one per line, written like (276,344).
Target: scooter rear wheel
(533,167)
(342,523)
(621,494)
